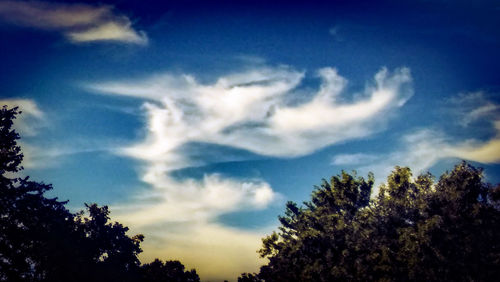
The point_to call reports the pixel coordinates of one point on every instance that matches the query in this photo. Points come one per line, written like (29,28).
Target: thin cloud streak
(78,22)
(473,106)
(423,148)
(32,117)
(353,159)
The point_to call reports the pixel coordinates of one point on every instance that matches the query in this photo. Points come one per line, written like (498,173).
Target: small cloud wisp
(78,22)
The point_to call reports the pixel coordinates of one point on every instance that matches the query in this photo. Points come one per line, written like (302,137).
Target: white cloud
(483,152)
(109,31)
(193,200)
(418,150)
(77,21)
(31,118)
(36,156)
(473,106)
(353,159)
(423,148)
(179,218)
(249,110)
(27,124)
(49,156)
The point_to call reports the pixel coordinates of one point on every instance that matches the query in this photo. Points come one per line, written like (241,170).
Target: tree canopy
(415,229)
(41,240)
(170,271)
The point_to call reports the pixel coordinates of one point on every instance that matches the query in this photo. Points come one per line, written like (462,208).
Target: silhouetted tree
(40,240)
(109,254)
(249,277)
(33,229)
(170,271)
(414,230)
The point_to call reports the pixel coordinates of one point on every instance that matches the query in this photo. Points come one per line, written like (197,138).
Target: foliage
(32,227)
(41,240)
(107,252)
(170,271)
(414,230)
(249,277)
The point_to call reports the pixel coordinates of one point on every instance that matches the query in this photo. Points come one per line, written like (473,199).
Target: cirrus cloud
(249,111)
(424,147)
(78,22)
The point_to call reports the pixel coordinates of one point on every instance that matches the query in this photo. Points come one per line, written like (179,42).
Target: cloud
(48,156)
(255,110)
(77,21)
(31,118)
(216,251)
(36,156)
(27,124)
(473,106)
(334,32)
(421,150)
(353,159)
(249,111)
(179,219)
(424,147)
(193,200)
(483,152)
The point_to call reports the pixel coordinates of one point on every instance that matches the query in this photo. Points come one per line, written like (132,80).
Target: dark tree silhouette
(107,251)
(170,271)
(40,240)
(414,230)
(33,228)
(249,277)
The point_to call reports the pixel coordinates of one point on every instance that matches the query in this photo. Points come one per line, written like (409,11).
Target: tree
(32,227)
(313,241)
(170,271)
(107,252)
(413,230)
(249,277)
(41,240)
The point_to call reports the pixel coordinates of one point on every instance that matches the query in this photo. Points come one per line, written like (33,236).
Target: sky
(195,121)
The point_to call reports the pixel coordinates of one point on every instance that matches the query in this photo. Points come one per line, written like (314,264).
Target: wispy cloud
(27,124)
(334,32)
(424,147)
(53,155)
(484,152)
(253,110)
(36,156)
(473,106)
(353,159)
(32,117)
(77,21)
(250,111)
(196,200)
(421,150)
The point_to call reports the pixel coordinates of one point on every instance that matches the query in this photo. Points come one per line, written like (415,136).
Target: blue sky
(195,121)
